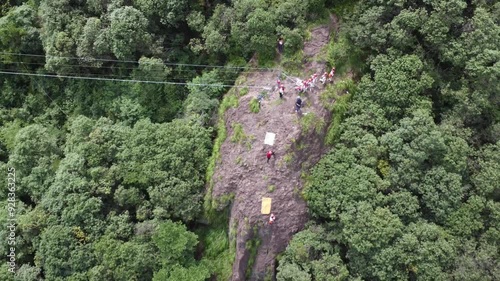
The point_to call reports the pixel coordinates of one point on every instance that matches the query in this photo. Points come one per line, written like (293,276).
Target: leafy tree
(161,102)
(175,154)
(128,32)
(35,157)
(176,245)
(19,32)
(60,254)
(118,260)
(170,12)
(339,182)
(486,178)
(441,192)
(407,72)
(367,231)
(311,253)
(424,251)
(27,273)
(193,273)
(93,41)
(292,272)
(477,262)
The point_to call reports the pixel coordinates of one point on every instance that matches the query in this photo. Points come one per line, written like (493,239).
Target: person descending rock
(298,104)
(260,98)
(331,74)
(281,45)
(282,91)
(272,218)
(269,154)
(323,78)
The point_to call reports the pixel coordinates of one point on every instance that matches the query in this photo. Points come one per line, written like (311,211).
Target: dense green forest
(110,175)
(111,161)
(411,190)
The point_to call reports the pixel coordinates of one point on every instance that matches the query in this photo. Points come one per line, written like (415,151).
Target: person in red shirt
(269,154)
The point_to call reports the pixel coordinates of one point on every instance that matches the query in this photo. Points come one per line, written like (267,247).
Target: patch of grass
(310,122)
(269,274)
(296,191)
(252,246)
(337,98)
(336,90)
(308,35)
(344,55)
(240,137)
(266,60)
(249,141)
(343,7)
(288,158)
(265,177)
(254,105)
(271,188)
(278,101)
(244,91)
(239,160)
(240,80)
(292,64)
(339,109)
(219,248)
(301,145)
(238,133)
(227,102)
(223,201)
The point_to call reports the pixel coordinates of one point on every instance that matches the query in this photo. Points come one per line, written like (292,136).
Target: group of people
(328,76)
(309,84)
(306,85)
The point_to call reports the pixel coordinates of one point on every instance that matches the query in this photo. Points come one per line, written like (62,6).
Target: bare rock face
(244,173)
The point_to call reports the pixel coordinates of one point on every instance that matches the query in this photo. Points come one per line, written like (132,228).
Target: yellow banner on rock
(266,206)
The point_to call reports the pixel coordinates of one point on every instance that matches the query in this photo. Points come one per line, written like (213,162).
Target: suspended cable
(130,61)
(135,68)
(132,80)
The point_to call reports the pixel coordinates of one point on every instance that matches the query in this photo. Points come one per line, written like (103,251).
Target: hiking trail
(243,172)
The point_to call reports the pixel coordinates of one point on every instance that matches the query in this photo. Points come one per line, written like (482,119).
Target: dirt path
(244,173)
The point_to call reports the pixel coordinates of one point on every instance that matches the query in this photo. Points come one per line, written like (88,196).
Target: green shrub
(339,109)
(254,105)
(228,101)
(252,246)
(244,91)
(238,133)
(344,55)
(311,122)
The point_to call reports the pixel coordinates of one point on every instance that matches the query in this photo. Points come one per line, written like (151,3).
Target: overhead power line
(131,80)
(123,68)
(131,61)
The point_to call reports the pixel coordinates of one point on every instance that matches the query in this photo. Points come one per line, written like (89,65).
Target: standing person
(269,154)
(298,104)
(281,45)
(282,91)
(260,98)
